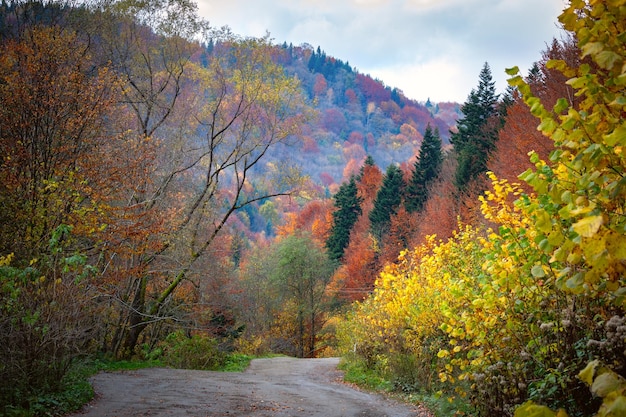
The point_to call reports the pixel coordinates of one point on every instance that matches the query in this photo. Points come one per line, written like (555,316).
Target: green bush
(195,352)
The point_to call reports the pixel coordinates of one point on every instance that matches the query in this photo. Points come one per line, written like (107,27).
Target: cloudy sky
(427,48)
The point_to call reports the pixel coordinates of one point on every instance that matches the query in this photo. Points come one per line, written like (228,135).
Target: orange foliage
(368,185)
(440,213)
(519,135)
(352,168)
(315,217)
(401,230)
(354,280)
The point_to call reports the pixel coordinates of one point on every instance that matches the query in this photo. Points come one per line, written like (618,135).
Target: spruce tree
(425,170)
(477,130)
(348,205)
(388,199)
(369,161)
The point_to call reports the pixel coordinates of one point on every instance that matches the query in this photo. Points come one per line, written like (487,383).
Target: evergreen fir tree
(388,199)
(369,161)
(348,205)
(477,131)
(425,170)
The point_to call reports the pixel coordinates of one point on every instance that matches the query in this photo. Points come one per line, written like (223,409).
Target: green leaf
(557,64)
(538,271)
(536,108)
(618,136)
(577,82)
(607,59)
(592,48)
(575,283)
(543,221)
(547,126)
(588,226)
(561,105)
(617,406)
(512,71)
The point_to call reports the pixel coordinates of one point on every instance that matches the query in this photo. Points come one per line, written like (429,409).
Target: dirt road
(277,387)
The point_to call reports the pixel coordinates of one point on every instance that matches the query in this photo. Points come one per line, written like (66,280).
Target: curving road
(277,387)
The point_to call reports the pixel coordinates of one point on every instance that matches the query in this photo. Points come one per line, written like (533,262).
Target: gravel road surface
(277,387)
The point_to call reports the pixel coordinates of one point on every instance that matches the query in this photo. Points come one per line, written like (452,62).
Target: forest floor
(277,387)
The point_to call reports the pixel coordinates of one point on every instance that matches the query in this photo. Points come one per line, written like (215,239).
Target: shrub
(192,352)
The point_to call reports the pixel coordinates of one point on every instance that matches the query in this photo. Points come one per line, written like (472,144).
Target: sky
(429,49)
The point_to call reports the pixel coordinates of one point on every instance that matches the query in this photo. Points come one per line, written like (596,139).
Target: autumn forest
(177,193)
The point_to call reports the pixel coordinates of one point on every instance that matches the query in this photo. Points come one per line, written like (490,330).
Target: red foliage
(309,145)
(418,115)
(320,85)
(334,121)
(351,96)
(327,179)
(372,89)
(356,137)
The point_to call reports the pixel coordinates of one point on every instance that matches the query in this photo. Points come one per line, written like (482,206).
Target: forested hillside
(352,116)
(176,192)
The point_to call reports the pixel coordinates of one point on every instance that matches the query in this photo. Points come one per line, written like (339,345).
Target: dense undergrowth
(527,307)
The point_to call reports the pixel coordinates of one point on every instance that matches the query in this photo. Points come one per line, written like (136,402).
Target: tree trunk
(136,318)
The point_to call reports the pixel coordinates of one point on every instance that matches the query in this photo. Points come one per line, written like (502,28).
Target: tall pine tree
(348,205)
(425,170)
(477,130)
(388,199)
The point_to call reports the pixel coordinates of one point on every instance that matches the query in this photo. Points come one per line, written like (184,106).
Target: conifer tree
(477,130)
(348,205)
(425,170)
(369,161)
(388,199)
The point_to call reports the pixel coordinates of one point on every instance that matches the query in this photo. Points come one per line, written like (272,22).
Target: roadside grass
(356,373)
(75,388)
(436,403)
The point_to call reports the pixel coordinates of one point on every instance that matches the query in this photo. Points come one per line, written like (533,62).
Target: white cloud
(439,80)
(427,48)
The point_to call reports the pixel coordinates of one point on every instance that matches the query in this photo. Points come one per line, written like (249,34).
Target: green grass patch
(356,373)
(236,362)
(441,405)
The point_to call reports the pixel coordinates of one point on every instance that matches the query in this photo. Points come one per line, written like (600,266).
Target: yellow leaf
(586,375)
(588,226)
